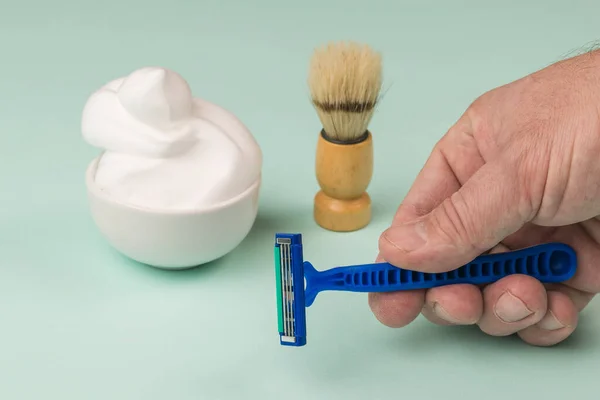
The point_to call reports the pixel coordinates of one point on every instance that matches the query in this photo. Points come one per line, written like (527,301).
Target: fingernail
(550,322)
(509,308)
(443,314)
(407,237)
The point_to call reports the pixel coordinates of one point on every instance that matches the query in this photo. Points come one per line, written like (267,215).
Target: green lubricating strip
(279,294)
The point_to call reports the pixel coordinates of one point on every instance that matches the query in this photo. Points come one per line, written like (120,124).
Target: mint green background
(78,321)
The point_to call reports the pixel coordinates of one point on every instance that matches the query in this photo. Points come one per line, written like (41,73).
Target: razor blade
(298,282)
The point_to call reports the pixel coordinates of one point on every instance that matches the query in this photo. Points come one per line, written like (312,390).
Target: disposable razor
(298,282)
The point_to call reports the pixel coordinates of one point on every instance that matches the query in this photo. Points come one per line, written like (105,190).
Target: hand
(521,167)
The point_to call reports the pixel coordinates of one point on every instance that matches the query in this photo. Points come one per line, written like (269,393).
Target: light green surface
(78,321)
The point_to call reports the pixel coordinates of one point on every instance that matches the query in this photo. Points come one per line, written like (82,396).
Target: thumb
(491,205)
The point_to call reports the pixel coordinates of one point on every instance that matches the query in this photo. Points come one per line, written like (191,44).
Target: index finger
(453,160)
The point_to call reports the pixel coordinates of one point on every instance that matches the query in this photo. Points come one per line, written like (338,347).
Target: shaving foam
(164,148)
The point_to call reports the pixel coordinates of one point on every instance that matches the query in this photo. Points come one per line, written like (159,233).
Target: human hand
(521,167)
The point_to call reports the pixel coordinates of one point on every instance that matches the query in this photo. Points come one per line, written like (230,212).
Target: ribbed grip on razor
(549,263)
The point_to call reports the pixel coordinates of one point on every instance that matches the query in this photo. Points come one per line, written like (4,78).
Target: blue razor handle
(548,263)
(298,282)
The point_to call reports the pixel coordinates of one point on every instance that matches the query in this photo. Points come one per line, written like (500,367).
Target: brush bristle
(345,80)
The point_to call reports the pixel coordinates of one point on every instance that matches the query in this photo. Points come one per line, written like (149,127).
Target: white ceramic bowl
(172,239)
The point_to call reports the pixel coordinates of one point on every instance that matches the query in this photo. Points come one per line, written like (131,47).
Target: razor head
(289,273)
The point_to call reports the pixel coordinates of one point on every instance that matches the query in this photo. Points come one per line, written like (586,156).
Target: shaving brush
(345,81)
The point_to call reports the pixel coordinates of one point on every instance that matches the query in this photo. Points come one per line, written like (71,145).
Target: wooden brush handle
(344,172)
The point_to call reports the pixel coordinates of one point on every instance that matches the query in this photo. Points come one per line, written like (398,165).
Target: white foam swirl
(164,148)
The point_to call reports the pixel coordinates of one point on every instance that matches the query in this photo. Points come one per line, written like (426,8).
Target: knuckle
(453,223)
(479,114)
(481,102)
(490,331)
(530,164)
(396,310)
(382,309)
